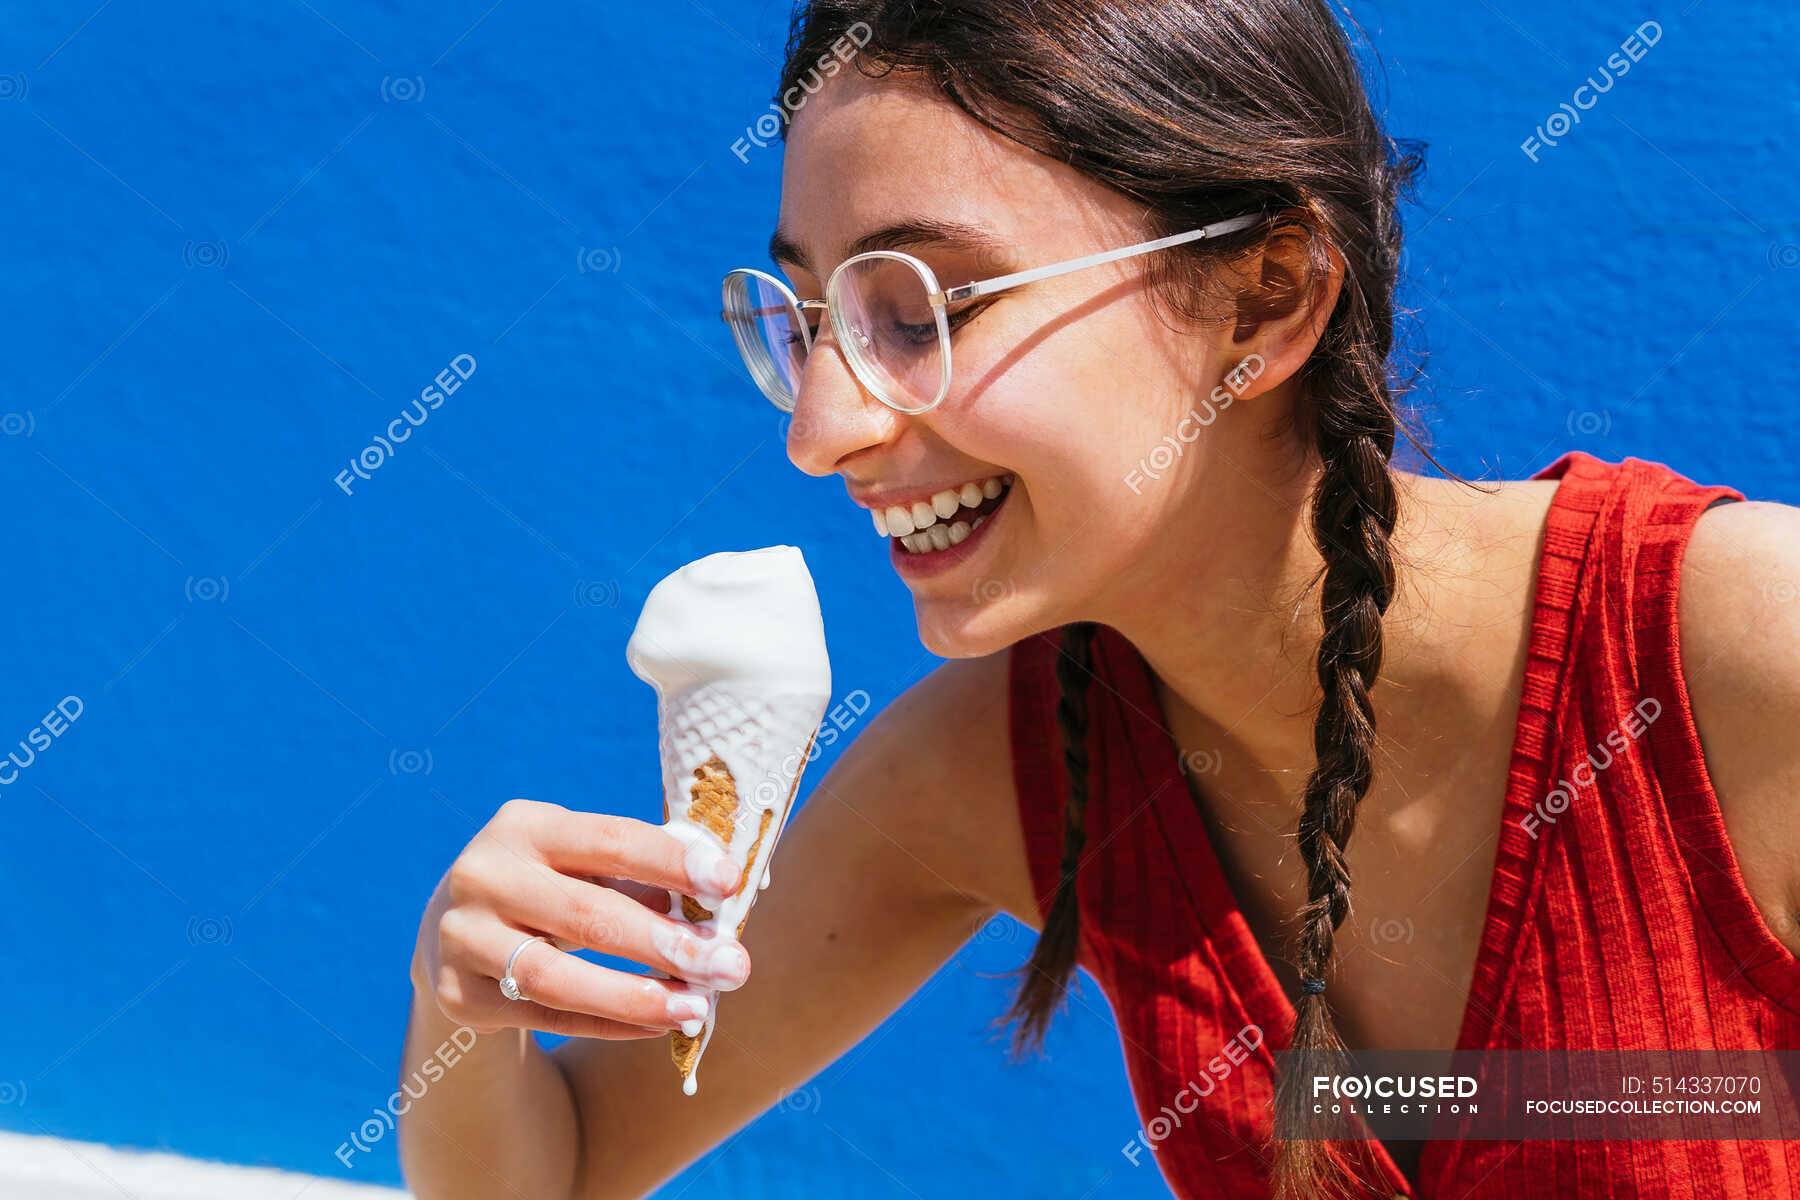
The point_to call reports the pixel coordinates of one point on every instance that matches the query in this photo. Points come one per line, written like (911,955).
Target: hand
(584,880)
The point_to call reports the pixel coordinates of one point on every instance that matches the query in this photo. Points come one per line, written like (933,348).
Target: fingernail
(686,1007)
(692,1028)
(723,876)
(710,870)
(729,966)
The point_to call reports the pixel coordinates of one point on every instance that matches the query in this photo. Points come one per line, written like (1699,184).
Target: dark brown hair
(1201,109)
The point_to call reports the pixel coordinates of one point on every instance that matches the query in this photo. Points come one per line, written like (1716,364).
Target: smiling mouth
(947,519)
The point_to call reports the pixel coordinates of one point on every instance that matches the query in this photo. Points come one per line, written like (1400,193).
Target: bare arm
(909,844)
(903,849)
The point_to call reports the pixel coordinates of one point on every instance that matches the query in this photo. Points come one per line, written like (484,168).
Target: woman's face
(1064,389)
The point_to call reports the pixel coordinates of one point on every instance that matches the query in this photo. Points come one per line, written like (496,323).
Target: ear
(1285,292)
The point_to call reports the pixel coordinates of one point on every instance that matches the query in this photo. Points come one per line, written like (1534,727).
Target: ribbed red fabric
(1624,924)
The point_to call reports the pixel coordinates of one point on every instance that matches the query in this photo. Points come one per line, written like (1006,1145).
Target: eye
(966,314)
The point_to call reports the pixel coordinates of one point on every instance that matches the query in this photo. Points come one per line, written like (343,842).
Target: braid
(1353,515)
(1046,973)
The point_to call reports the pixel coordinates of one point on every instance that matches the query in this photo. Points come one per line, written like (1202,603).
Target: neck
(1232,631)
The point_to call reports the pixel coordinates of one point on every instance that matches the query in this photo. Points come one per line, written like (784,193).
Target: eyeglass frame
(941,298)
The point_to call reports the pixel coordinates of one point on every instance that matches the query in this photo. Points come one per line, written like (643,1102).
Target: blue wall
(240,238)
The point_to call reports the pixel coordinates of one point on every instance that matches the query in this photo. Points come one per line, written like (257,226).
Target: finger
(548,977)
(581,914)
(527,1014)
(585,844)
(653,898)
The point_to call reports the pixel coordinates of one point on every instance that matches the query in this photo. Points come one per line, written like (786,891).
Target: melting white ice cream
(734,645)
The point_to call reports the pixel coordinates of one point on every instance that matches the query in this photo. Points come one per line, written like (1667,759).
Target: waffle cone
(713,802)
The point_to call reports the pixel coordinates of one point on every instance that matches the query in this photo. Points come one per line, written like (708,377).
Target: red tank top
(1629,929)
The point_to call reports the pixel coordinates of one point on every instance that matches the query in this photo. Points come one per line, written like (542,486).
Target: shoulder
(940,756)
(1738,611)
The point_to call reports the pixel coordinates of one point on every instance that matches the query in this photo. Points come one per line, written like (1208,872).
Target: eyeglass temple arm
(1000,283)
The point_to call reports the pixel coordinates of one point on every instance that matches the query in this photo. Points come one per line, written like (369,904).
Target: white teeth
(917,520)
(940,537)
(959,531)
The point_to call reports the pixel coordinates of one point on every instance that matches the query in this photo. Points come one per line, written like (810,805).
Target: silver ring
(509,987)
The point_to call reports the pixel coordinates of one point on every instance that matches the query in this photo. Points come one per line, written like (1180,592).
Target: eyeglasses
(890,315)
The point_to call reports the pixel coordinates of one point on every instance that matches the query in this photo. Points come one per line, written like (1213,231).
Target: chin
(972,629)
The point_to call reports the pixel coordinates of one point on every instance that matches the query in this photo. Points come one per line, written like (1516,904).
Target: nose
(834,415)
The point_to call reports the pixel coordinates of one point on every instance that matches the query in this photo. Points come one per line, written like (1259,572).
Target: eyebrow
(913,234)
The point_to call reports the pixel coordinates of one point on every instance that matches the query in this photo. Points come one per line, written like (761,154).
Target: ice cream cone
(735,647)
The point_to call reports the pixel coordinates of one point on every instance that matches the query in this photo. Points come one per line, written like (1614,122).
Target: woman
(1151,515)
